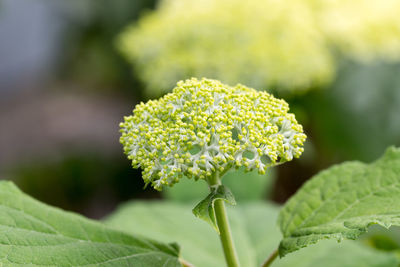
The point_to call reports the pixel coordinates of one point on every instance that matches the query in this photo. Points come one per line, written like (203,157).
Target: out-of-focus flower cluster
(204,127)
(259,43)
(263,43)
(363,29)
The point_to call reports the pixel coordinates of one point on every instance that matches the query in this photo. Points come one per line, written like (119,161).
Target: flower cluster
(363,29)
(286,45)
(260,43)
(204,127)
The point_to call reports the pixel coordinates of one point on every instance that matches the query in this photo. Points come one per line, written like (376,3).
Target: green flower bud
(204,126)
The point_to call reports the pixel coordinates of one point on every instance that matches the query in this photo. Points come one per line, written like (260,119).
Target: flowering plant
(201,130)
(279,45)
(204,127)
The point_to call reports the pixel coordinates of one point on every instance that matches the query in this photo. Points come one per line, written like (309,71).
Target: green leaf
(342,202)
(329,254)
(187,190)
(382,239)
(253,227)
(254,231)
(34,234)
(245,186)
(205,209)
(249,186)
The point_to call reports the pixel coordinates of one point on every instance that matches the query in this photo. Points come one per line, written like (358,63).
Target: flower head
(261,43)
(290,46)
(204,127)
(363,29)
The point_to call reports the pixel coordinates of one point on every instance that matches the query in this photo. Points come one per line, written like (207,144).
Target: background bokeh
(70,71)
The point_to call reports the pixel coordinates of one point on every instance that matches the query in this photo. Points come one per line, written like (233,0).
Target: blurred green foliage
(380,238)
(75,181)
(245,186)
(254,228)
(358,116)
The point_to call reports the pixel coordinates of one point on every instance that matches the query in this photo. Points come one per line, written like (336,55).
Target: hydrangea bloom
(261,43)
(363,29)
(204,127)
(287,45)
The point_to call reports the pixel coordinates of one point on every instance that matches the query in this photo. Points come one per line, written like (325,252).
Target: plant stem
(185,263)
(271,258)
(223,226)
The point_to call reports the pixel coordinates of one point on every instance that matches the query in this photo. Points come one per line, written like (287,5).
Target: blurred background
(70,71)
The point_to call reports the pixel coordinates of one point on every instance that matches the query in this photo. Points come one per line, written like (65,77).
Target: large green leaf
(329,254)
(254,232)
(342,202)
(34,234)
(253,226)
(205,210)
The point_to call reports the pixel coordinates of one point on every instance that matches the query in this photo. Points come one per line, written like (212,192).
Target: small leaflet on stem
(205,209)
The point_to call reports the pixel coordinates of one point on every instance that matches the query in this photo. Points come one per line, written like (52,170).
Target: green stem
(185,263)
(271,258)
(223,226)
